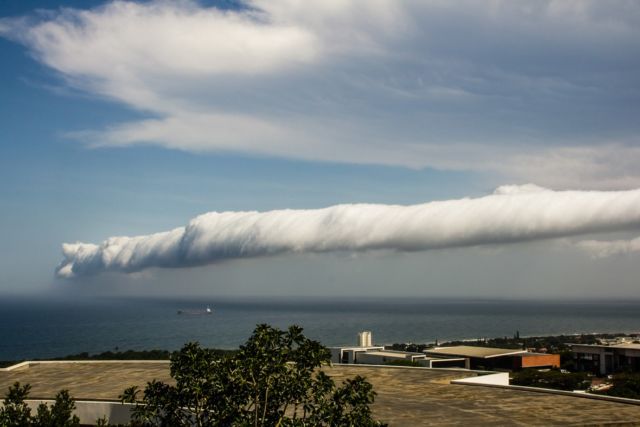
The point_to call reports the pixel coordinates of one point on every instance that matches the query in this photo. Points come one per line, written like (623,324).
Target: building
(603,359)
(383,357)
(462,356)
(489,358)
(350,354)
(380,357)
(366,353)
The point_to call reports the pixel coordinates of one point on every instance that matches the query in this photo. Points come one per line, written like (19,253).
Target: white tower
(364,339)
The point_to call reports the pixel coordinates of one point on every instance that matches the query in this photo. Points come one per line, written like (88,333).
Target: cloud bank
(606,249)
(511,214)
(541,91)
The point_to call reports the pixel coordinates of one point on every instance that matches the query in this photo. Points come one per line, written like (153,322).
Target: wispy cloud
(512,214)
(495,86)
(609,248)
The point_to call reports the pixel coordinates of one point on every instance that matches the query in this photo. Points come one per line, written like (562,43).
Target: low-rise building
(606,359)
(366,353)
(489,358)
(380,357)
(350,354)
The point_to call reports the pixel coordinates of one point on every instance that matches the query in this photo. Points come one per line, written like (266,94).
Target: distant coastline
(551,343)
(53,328)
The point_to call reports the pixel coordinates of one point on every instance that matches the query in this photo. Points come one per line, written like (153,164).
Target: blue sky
(124,119)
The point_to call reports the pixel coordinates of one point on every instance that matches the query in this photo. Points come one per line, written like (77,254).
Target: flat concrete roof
(406,396)
(471,351)
(628,346)
(85,380)
(631,346)
(357,348)
(390,353)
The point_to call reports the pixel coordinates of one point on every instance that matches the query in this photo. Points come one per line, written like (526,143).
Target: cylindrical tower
(364,339)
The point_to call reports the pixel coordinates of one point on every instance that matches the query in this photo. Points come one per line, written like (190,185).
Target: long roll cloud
(511,214)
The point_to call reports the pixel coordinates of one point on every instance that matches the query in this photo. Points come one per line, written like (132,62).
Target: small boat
(207,310)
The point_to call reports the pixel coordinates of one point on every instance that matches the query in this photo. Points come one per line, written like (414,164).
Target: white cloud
(540,91)
(511,214)
(576,167)
(606,249)
(167,38)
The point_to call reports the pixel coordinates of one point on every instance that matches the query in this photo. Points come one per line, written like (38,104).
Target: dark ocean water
(40,329)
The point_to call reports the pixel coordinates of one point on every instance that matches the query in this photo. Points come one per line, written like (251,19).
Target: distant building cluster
(469,357)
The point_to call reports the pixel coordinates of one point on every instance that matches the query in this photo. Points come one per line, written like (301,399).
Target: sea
(39,328)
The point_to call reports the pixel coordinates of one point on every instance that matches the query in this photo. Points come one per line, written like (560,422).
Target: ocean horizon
(36,328)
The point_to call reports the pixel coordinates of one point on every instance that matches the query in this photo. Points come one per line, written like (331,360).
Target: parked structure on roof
(364,338)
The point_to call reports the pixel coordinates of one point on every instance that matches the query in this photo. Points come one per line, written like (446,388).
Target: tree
(60,414)
(274,380)
(552,378)
(625,384)
(16,412)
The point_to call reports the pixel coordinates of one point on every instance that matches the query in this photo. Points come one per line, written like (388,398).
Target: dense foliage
(16,413)
(274,380)
(626,384)
(552,378)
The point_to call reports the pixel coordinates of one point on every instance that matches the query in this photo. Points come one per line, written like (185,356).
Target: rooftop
(471,351)
(392,353)
(360,348)
(406,396)
(630,346)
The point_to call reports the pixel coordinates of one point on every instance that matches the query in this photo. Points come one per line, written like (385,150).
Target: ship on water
(193,312)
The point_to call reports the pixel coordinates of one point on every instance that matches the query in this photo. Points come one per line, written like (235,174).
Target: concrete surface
(406,397)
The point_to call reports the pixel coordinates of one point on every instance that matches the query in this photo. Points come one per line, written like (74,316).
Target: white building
(366,353)
(350,354)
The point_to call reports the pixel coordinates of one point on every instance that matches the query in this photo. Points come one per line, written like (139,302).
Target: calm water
(37,329)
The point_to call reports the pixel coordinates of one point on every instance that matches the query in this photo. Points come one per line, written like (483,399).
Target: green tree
(274,380)
(625,384)
(60,414)
(552,378)
(16,412)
